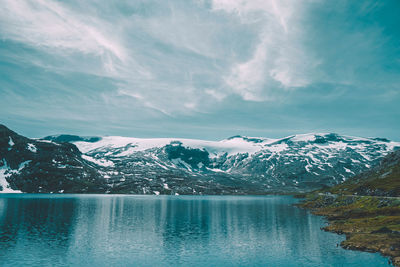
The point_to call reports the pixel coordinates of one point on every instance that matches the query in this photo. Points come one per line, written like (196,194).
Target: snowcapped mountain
(294,163)
(237,165)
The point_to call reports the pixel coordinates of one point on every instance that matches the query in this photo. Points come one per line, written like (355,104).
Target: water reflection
(35,229)
(87,230)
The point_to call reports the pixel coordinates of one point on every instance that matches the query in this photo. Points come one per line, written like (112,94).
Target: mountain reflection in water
(116,230)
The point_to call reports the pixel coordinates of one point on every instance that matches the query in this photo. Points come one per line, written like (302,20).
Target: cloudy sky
(200,69)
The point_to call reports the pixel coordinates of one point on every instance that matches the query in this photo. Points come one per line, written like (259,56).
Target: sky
(205,69)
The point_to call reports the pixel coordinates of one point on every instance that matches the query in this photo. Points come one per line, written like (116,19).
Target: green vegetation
(370,223)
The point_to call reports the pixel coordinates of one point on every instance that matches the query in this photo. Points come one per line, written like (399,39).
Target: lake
(126,230)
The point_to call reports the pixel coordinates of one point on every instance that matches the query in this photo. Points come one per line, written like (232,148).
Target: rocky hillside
(382,180)
(30,165)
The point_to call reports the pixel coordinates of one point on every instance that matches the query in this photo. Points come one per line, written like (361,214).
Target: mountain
(35,166)
(236,165)
(382,180)
(294,163)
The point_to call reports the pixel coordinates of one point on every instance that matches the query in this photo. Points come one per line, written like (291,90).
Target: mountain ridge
(239,156)
(236,165)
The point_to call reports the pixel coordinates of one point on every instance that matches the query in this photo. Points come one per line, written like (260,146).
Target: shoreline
(370,224)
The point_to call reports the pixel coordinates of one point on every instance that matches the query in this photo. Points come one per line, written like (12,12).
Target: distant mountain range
(237,165)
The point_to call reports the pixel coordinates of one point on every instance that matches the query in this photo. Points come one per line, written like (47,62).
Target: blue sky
(200,69)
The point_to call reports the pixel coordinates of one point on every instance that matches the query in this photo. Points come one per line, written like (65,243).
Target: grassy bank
(370,223)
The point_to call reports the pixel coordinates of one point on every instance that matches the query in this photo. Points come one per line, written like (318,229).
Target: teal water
(113,230)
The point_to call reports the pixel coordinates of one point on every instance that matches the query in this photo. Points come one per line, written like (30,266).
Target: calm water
(104,230)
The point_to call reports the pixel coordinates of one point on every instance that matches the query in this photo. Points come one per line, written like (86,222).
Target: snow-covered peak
(236,144)
(229,146)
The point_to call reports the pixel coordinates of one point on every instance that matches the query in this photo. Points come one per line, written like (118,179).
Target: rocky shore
(370,223)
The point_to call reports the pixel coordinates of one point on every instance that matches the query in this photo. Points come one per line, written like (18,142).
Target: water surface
(121,230)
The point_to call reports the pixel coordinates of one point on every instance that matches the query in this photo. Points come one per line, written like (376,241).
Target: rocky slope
(29,165)
(237,165)
(382,180)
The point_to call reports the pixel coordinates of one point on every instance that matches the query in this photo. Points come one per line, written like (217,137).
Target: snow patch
(100,162)
(311,156)
(24,164)
(179,162)
(47,141)
(303,138)
(334,145)
(308,166)
(162,166)
(5,172)
(348,170)
(10,143)
(277,148)
(392,145)
(365,156)
(215,170)
(32,148)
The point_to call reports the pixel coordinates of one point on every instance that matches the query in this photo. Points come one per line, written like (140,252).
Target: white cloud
(49,24)
(248,78)
(279,60)
(168,57)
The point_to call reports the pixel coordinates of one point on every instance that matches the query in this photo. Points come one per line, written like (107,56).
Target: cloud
(280,59)
(173,58)
(171,54)
(70,39)
(49,24)
(169,58)
(215,94)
